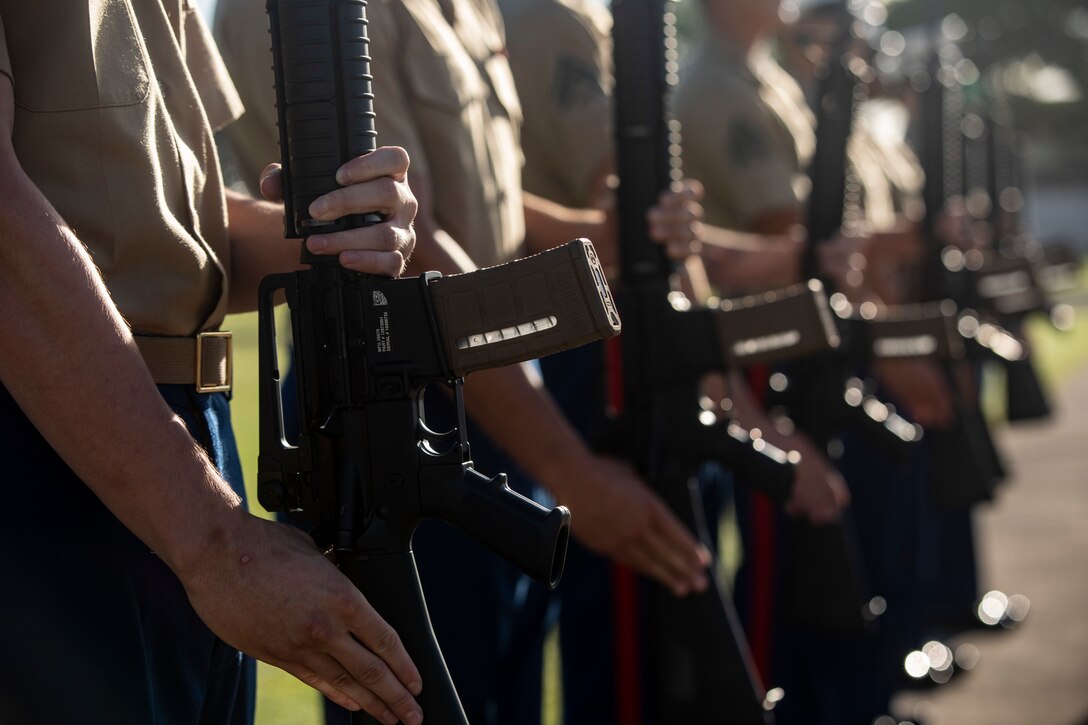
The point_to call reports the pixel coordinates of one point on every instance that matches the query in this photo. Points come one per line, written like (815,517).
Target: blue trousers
(587,614)
(97,629)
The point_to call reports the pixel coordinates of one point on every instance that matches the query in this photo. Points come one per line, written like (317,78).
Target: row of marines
(505,113)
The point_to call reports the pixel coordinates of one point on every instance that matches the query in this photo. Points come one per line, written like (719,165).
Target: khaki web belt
(204,361)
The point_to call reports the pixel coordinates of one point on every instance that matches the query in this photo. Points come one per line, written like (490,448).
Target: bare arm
(548,224)
(98,407)
(740,262)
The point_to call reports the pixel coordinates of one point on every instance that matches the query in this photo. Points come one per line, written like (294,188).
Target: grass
(282,700)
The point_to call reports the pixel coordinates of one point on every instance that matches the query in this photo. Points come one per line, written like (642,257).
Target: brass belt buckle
(216,387)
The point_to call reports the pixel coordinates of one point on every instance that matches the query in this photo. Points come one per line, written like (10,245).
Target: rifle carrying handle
(324,103)
(274,447)
(390,583)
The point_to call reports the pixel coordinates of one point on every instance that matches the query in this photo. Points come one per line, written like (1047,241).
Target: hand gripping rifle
(366,469)
(693,665)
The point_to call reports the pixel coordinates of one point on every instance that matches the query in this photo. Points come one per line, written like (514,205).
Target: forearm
(258,247)
(95,402)
(548,224)
(745,270)
(542,441)
(436,251)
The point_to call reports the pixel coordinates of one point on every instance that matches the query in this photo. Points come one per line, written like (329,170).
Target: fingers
(675,220)
(648,562)
(367,680)
(382,640)
(328,676)
(383,195)
(391,161)
(693,187)
(378,249)
(360,661)
(374,183)
(672,554)
(820,495)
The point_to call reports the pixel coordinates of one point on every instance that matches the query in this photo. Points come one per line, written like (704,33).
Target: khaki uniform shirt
(561,55)
(251,143)
(747,134)
(443,91)
(891,176)
(115,102)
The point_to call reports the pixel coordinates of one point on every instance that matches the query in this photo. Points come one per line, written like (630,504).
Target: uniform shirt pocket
(443,78)
(101,61)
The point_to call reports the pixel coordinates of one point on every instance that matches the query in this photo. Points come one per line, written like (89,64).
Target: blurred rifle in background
(967,466)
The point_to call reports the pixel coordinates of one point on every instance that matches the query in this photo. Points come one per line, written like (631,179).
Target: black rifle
(365,468)
(695,664)
(826,587)
(1009,279)
(967,465)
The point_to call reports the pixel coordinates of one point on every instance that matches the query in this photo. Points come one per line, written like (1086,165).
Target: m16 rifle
(690,660)
(826,587)
(1009,285)
(967,466)
(365,468)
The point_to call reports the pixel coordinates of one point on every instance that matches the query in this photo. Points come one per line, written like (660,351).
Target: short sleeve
(396,122)
(560,64)
(209,74)
(242,37)
(5,62)
(731,148)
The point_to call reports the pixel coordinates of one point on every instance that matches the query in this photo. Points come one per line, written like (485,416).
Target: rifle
(694,665)
(365,468)
(967,466)
(1010,278)
(827,588)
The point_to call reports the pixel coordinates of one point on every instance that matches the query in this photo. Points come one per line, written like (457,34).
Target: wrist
(205,531)
(559,463)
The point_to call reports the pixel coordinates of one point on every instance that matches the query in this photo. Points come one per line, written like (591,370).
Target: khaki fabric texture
(561,55)
(884,124)
(738,127)
(110,124)
(5,63)
(865,161)
(444,91)
(241,31)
